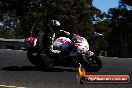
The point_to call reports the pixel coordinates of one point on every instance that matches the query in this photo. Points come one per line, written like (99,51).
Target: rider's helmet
(54,26)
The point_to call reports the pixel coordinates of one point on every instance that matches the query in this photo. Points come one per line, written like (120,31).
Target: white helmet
(55,25)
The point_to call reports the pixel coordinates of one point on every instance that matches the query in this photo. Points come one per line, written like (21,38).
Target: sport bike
(65,51)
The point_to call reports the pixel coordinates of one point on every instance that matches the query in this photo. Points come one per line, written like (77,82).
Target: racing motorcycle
(75,51)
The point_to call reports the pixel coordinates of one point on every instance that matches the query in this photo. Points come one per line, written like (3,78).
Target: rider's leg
(54,51)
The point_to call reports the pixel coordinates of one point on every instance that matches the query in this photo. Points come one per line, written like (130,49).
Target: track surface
(16,70)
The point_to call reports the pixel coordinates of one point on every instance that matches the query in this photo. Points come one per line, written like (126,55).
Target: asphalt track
(16,70)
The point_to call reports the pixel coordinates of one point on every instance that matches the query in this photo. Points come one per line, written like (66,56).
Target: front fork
(82,59)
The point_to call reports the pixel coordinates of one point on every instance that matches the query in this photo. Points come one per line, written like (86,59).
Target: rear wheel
(45,61)
(92,63)
(33,56)
(40,59)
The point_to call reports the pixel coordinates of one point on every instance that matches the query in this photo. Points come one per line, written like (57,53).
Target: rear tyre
(33,56)
(40,59)
(45,61)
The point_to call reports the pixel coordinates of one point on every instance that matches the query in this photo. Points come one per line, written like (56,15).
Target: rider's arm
(53,38)
(65,33)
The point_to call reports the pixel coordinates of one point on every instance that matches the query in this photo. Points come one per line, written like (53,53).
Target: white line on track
(5,86)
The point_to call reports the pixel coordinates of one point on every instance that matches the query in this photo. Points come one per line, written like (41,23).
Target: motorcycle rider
(55,32)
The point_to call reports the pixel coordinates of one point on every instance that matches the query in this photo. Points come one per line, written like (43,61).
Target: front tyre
(92,63)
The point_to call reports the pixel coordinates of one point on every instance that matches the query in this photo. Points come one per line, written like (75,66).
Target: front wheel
(92,63)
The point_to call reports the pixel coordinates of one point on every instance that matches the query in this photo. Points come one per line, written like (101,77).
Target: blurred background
(24,18)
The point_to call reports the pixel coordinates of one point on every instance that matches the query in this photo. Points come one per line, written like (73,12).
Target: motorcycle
(75,51)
